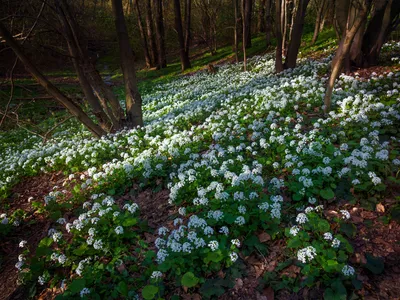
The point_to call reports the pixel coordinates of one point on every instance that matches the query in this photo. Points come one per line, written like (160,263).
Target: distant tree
(188,14)
(184,55)
(261,16)
(236,29)
(162,58)
(149,60)
(248,11)
(278,33)
(150,34)
(268,22)
(245,31)
(321,8)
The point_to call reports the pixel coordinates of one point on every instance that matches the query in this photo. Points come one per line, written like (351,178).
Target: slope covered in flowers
(241,153)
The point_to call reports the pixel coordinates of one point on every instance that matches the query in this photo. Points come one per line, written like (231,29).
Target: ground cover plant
(248,159)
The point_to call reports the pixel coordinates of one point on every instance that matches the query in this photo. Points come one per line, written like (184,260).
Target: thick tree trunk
(132,97)
(48,86)
(318,21)
(295,39)
(248,10)
(188,12)
(236,29)
(268,22)
(185,63)
(162,59)
(143,35)
(261,16)
(278,22)
(343,52)
(150,35)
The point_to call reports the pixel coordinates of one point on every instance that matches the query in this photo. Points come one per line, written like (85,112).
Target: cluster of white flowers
(306,254)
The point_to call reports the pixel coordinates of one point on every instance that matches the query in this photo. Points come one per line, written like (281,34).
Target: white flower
(235,242)
(301,218)
(156,275)
(294,230)
(22,243)
(98,244)
(213,245)
(84,292)
(240,221)
(119,230)
(42,280)
(306,254)
(335,243)
(233,256)
(348,270)
(345,214)
(328,236)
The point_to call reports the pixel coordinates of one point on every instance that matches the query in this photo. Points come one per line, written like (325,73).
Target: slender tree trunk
(244,35)
(48,86)
(132,96)
(343,51)
(236,29)
(284,18)
(185,63)
(143,35)
(295,39)
(318,21)
(162,60)
(261,16)
(188,12)
(150,34)
(268,22)
(278,22)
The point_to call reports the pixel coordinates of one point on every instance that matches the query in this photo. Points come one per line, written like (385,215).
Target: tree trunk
(268,22)
(48,86)
(244,35)
(343,51)
(248,10)
(162,60)
(185,63)
(132,96)
(295,39)
(150,35)
(278,22)
(318,21)
(143,35)
(188,12)
(236,29)
(261,16)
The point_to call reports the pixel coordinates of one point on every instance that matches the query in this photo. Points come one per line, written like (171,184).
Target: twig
(55,126)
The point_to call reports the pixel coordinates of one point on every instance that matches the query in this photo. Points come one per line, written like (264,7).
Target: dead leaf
(380,208)
(264,237)
(269,293)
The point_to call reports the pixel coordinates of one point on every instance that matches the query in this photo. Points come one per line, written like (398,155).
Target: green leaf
(327,194)
(123,288)
(189,280)
(149,292)
(323,226)
(336,292)
(129,222)
(294,243)
(77,285)
(214,257)
(357,284)
(374,264)
(348,229)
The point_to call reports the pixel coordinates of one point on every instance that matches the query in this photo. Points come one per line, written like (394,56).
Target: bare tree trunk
(185,63)
(48,86)
(278,22)
(284,18)
(236,30)
(162,60)
(295,39)
(248,10)
(318,21)
(244,35)
(268,22)
(188,12)
(143,35)
(261,16)
(343,51)
(150,35)
(132,96)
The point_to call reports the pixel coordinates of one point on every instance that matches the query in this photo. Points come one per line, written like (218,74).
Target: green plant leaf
(129,222)
(189,280)
(348,229)
(374,264)
(77,285)
(149,292)
(123,288)
(327,194)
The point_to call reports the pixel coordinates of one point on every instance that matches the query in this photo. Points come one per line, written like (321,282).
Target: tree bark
(278,22)
(343,51)
(261,16)
(132,97)
(150,34)
(236,29)
(188,12)
(318,21)
(248,10)
(185,63)
(147,57)
(295,39)
(244,35)
(268,22)
(162,60)
(49,87)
